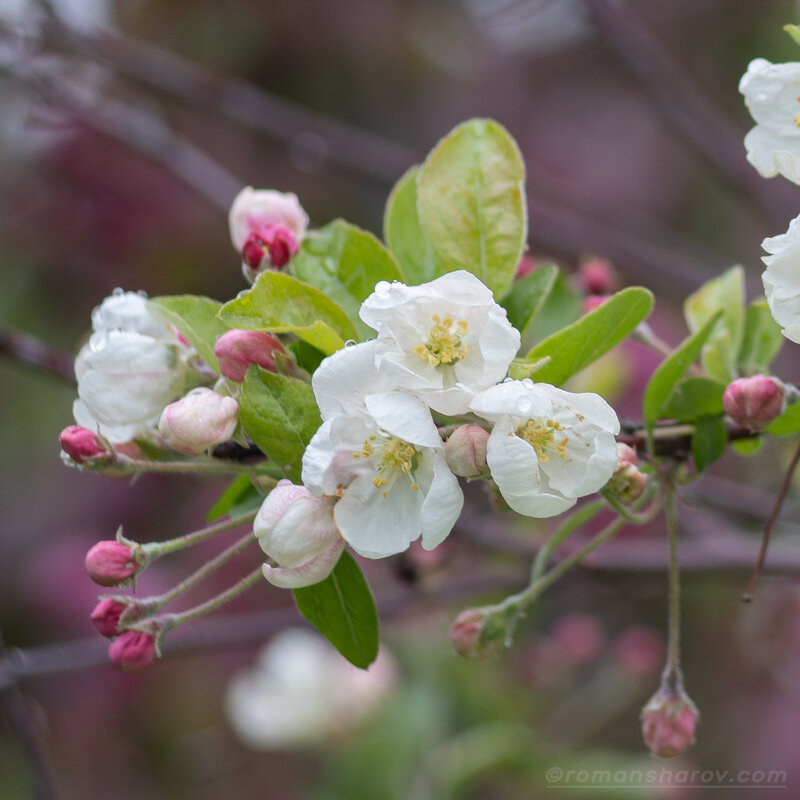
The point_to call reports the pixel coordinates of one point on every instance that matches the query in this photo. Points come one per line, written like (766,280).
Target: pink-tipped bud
(270,246)
(639,651)
(627,483)
(754,402)
(106,616)
(597,276)
(478,633)
(81,444)
(132,651)
(199,420)
(580,637)
(465,451)
(111,563)
(236,350)
(668,722)
(593,301)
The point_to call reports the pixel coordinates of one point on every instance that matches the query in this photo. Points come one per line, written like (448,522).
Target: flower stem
(190,539)
(672,670)
(632,515)
(213,466)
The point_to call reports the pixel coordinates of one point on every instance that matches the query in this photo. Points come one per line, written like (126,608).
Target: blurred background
(126,129)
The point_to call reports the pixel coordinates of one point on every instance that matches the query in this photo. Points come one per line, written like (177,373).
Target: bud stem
(131,466)
(672,670)
(630,515)
(747,597)
(190,539)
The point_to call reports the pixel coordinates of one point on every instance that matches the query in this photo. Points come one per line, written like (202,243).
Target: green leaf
(725,293)
(345,263)
(671,370)
(787,423)
(527,296)
(562,307)
(239,497)
(708,441)
(196,318)
(342,609)
(747,447)
(694,397)
(282,304)
(578,345)
(793,31)
(307,357)
(403,233)
(762,338)
(280,415)
(471,202)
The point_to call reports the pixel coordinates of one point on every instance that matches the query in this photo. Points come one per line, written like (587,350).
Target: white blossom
(781,279)
(444,341)
(548,447)
(297,530)
(302,692)
(386,465)
(129,311)
(124,381)
(772,94)
(198,420)
(253,209)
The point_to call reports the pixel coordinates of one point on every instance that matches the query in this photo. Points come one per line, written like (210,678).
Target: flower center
(395,455)
(444,344)
(541,436)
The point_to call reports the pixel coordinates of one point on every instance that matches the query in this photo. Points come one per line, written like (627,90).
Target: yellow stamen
(444,344)
(541,436)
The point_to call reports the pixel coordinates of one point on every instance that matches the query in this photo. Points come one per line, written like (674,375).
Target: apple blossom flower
(198,420)
(548,447)
(129,311)
(387,467)
(269,246)
(297,530)
(124,381)
(301,691)
(781,279)
(253,209)
(444,341)
(771,93)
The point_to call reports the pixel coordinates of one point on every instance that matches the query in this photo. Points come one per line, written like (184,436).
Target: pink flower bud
(668,722)
(270,246)
(597,276)
(236,350)
(253,209)
(106,616)
(754,402)
(199,420)
(580,637)
(132,651)
(478,633)
(111,563)
(81,444)
(627,455)
(627,483)
(465,451)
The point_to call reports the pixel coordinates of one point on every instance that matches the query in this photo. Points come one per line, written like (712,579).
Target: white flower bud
(124,381)
(297,530)
(253,209)
(199,420)
(128,311)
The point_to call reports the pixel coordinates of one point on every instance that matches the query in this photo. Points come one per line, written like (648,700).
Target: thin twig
(27,349)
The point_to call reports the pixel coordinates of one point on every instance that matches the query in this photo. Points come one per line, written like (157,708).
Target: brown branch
(27,349)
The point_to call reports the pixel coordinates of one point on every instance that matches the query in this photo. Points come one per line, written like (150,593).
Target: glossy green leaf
(578,345)
(471,202)
(671,370)
(239,497)
(708,441)
(280,415)
(345,263)
(694,397)
(282,304)
(793,31)
(196,318)
(527,297)
(787,423)
(762,339)
(726,294)
(403,233)
(343,610)
(562,306)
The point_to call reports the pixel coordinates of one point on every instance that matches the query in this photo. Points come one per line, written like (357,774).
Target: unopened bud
(668,722)
(627,483)
(236,350)
(199,420)
(479,632)
(106,616)
(270,246)
(255,209)
(754,402)
(133,651)
(81,444)
(111,563)
(465,451)
(597,276)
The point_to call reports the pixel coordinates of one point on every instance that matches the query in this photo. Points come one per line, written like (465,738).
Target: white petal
(405,417)
(308,573)
(442,505)
(518,398)
(343,379)
(588,405)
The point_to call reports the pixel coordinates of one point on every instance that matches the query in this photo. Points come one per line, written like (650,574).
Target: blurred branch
(27,349)
(684,106)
